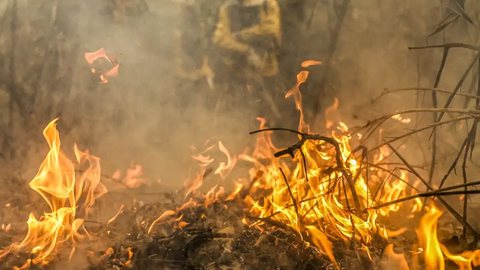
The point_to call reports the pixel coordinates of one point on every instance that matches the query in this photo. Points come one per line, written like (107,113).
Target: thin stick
(338,157)
(459,85)
(447,46)
(293,199)
(420,130)
(464,176)
(275,129)
(444,203)
(430,193)
(426,194)
(381,188)
(434,102)
(379,121)
(304,160)
(396,176)
(440,91)
(454,163)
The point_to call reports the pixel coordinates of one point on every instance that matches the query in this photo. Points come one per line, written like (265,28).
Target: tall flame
(325,191)
(434,252)
(328,192)
(427,236)
(57,183)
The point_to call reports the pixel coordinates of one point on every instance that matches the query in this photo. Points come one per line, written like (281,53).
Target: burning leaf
(106,72)
(309,63)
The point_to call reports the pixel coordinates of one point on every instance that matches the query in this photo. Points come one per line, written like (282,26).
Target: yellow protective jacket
(244,29)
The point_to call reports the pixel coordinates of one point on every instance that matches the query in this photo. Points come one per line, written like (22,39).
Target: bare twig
(420,130)
(459,85)
(338,157)
(434,103)
(438,192)
(454,163)
(294,201)
(440,91)
(444,203)
(447,46)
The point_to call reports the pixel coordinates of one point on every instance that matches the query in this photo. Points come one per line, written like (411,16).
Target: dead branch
(459,85)
(447,46)
(439,192)
(437,90)
(429,187)
(294,201)
(420,130)
(305,137)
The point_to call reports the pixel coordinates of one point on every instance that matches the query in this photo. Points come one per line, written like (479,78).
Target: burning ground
(321,203)
(376,181)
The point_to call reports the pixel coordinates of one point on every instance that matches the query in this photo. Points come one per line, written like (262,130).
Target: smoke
(151,115)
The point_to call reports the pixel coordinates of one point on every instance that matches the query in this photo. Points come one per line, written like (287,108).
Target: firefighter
(247,39)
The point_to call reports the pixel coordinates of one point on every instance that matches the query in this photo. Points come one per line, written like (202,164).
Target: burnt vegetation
(247,228)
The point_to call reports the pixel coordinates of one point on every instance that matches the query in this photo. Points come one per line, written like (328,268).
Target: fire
(322,194)
(105,73)
(427,236)
(434,252)
(330,113)
(67,195)
(314,197)
(326,191)
(225,168)
(133,176)
(400,119)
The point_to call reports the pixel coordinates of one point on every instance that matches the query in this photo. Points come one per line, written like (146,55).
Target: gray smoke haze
(150,115)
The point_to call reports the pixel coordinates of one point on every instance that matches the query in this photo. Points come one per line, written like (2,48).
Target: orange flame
(57,183)
(324,191)
(308,63)
(435,252)
(92,57)
(302,77)
(427,236)
(330,114)
(225,168)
